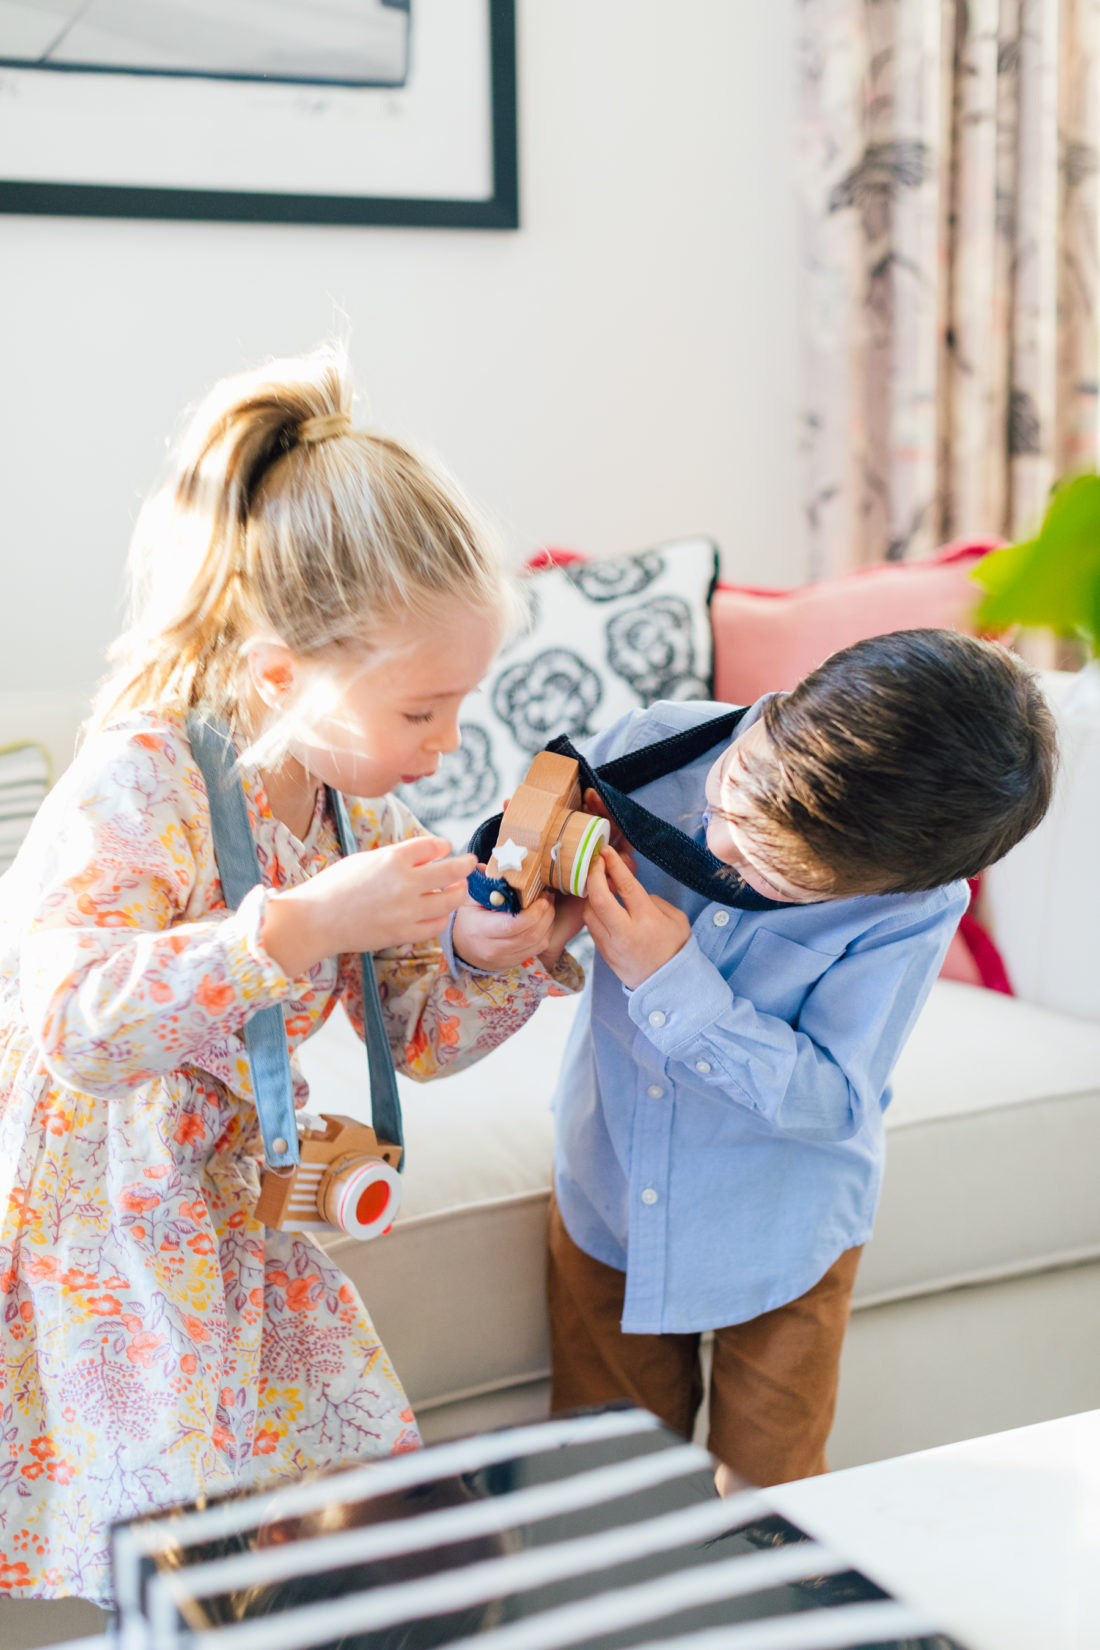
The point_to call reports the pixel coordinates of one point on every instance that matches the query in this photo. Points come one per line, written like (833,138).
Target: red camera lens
(373,1203)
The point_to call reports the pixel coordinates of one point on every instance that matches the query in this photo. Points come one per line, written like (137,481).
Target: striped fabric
(596,1530)
(24,781)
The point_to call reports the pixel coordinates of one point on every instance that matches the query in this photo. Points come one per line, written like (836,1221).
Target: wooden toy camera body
(545,841)
(347,1179)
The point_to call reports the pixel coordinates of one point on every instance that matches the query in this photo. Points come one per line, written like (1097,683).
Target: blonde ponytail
(280,521)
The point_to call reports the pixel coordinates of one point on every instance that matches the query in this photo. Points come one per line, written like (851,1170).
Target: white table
(998,1538)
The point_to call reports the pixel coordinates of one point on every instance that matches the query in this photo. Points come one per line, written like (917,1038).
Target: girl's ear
(274,672)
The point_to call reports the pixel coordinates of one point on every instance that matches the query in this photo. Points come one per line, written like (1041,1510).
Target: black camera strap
(666,846)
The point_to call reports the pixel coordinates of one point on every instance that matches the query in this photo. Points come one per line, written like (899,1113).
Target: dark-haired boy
(720,1107)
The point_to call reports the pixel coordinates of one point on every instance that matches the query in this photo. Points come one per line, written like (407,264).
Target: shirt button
(655,1091)
(649,1195)
(721,918)
(657,1018)
(703,1066)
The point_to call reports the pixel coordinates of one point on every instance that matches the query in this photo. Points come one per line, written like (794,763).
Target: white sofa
(978,1302)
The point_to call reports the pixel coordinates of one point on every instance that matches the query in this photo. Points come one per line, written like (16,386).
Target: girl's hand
(380,897)
(496,940)
(635,933)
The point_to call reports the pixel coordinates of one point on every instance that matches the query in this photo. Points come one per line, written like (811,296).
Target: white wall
(620,370)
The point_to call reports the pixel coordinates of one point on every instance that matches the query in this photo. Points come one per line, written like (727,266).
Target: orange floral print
(141,1348)
(214,996)
(302,1294)
(140,1202)
(104,1306)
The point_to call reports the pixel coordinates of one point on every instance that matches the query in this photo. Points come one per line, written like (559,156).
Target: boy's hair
(902,763)
(323,545)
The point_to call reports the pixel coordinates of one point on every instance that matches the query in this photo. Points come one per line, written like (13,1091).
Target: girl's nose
(446,737)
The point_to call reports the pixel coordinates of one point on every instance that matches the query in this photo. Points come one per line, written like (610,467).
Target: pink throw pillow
(767,640)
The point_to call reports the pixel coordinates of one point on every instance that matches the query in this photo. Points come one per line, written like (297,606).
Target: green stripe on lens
(579,858)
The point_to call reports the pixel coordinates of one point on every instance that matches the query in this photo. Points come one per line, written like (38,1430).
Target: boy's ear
(274,672)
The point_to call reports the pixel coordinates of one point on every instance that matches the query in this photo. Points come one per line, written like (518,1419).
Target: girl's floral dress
(156,1341)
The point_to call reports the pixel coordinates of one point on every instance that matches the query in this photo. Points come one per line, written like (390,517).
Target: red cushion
(767,640)
(972,957)
(549,557)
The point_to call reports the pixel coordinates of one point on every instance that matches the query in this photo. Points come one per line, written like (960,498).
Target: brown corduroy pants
(773,1380)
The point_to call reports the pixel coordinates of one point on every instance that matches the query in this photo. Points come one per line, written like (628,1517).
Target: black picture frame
(499,211)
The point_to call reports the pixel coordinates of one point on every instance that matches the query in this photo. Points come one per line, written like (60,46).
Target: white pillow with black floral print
(606,636)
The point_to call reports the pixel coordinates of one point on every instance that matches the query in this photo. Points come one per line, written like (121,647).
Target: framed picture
(269,111)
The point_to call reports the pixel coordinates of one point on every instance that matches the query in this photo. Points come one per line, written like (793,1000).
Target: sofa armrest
(1042,901)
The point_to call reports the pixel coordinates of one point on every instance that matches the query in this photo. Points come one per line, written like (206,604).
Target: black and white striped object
(24,781)
(598,1530)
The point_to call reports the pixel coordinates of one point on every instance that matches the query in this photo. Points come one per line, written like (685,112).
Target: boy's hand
(592,803)
(635,933)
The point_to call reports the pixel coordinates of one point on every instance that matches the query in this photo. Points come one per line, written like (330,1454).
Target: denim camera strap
(385,1104)
(265,1029)
(664,845)
(239,871)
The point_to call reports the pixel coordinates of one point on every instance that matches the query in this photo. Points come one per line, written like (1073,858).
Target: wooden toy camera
(545,841)
(347,1178)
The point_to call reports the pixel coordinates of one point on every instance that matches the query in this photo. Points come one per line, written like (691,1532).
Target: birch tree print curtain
(947,193)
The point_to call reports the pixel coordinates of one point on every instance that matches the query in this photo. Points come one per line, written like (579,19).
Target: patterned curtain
(948,198)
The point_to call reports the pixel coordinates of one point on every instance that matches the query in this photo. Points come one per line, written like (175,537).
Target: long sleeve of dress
(116,983)
(437,1020)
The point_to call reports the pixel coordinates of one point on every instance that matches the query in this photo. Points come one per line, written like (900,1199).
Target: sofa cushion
(767,640)
(993,1160)
(606,636)
(993,1146)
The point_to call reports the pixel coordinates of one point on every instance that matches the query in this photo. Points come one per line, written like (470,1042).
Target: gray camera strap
(265,1030)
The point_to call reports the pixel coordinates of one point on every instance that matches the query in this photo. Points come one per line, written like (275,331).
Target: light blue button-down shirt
(720,1128)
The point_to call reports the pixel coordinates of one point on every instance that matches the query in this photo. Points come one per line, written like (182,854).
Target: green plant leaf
(1054,578)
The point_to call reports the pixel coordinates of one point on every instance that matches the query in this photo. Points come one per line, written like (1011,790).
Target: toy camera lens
(362,1197)
(373,1203)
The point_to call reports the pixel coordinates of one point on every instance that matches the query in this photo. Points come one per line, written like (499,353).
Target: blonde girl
(332,598)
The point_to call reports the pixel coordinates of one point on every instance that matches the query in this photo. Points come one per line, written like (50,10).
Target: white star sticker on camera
(509,855)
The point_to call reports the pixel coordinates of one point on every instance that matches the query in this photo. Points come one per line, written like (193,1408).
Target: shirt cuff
(255,970)
(680,1001)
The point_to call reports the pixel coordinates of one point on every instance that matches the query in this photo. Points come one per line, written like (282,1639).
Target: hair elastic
(311,430)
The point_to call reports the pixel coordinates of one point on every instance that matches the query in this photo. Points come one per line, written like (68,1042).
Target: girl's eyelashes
(420,716)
